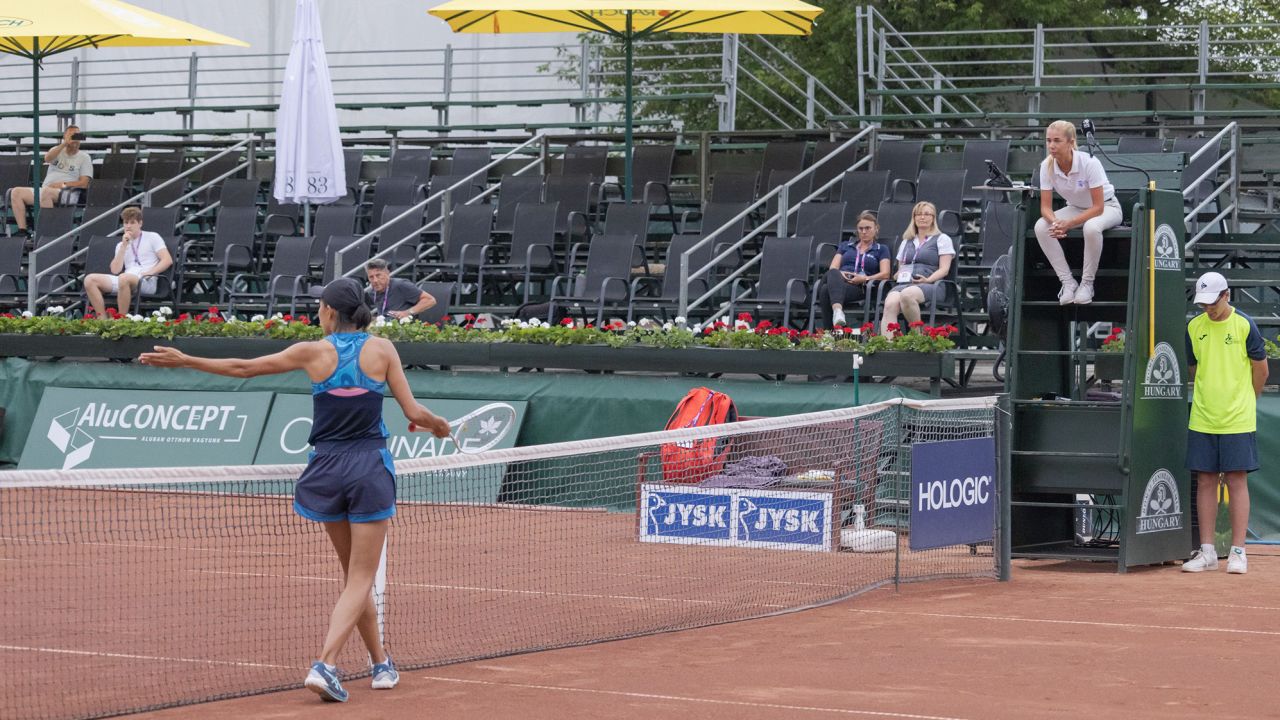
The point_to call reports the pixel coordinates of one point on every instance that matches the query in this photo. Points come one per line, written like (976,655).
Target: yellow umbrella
(629,20)
(39,29)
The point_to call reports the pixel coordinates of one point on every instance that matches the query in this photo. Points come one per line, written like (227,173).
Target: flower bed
(742,334)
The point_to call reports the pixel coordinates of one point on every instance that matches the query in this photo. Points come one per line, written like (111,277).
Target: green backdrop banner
(561,405)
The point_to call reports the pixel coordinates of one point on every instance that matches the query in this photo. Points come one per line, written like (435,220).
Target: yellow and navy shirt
(1224,402)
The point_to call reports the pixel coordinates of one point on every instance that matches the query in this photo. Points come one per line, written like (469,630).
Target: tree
(768,96)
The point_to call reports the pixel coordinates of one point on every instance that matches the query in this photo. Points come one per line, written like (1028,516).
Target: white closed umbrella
(309,167)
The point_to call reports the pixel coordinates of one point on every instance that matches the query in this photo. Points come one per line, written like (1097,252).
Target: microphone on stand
(1087,126)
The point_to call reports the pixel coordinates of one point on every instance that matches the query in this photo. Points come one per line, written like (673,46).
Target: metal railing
(1230,186)
(1185,66)
(34,297)
(443,196)
(777,221)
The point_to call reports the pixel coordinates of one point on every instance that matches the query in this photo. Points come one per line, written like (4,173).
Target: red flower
(216,319)
(744,316)
(446,318)
(567,322)
(181,318)
(720,324)
(213,310)
(469,317)
(305,320)
(468,326)
(287,318)
(708,330)
(764,325)
(113,313)
(805,333)
(916,324)
(894,327)
(265,325)
(868,327)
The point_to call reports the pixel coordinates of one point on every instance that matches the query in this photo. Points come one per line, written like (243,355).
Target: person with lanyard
(1227,359)
(141,256)
(924,258)
(394,297)
(855,266)
(349,481)
(1091,205)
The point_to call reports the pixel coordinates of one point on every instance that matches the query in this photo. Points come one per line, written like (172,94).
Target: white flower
(680,320)
(26,313)
(257,318)
(648,323)
(406,319)
(155,313)
(631,323)
(379,321)
(55,310)
(136,318)
(165,310)
(668,327)
(280,316)
(232,319)
(511,322)
(535,322)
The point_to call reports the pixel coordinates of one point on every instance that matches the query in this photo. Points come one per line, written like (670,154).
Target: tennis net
(159,587)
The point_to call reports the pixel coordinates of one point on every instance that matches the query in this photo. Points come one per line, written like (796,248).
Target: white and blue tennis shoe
(323,681)
(385,675)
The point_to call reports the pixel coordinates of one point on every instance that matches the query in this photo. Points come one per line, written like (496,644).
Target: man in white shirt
(68,168)
(140,257)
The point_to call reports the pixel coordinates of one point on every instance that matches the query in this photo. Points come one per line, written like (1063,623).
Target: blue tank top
(339,414)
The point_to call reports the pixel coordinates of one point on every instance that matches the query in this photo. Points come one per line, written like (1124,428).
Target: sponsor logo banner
(729,517)
(1163,379)
(1167,255)
(284,440)
(1161,507)
(953,493)
(79,427)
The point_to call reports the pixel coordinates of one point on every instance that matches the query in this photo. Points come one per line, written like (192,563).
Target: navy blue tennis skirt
(351,480)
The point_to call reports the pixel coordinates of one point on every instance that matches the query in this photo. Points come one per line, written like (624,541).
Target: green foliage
(829,53)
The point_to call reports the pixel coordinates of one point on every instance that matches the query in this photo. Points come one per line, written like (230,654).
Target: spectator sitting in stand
(68,168)
(393,297)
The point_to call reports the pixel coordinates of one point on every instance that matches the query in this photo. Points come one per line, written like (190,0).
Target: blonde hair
(1066,128)
(912,231)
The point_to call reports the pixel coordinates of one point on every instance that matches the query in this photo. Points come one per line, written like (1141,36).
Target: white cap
(1209,287)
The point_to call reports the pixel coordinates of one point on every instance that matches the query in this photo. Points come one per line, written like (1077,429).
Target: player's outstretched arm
(399,384)
(295,357)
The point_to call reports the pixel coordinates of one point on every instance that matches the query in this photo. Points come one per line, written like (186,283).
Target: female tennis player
(349,481)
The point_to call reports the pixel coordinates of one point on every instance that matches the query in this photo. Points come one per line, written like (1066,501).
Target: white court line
(198,661)
(181,548)
(1220,606)
(507,591)
(683,698)
(1134,626)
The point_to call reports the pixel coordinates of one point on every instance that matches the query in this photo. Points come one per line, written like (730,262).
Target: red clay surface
(1069,640)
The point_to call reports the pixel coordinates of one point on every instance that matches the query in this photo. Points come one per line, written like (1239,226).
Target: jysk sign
(727,517)
(953,493)
(284,440)
(75,427)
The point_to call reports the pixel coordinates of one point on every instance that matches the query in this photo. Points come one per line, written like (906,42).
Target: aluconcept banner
(79,427)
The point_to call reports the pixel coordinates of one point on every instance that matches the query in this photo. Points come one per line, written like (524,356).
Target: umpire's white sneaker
(1067,295)
(1237,563)
(1201,561)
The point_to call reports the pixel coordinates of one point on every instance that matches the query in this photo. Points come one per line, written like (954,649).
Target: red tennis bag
(692,461)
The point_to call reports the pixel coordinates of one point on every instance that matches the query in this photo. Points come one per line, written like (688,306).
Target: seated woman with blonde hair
(1091,204)
(924,258)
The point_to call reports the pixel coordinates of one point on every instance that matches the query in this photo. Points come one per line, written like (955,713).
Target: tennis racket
(481,429)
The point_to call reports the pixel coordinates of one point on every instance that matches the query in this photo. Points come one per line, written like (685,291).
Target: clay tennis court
(1069,640)
(150,598)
